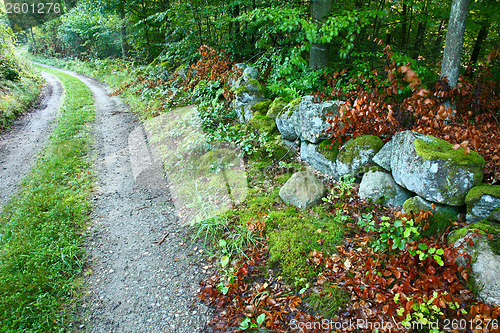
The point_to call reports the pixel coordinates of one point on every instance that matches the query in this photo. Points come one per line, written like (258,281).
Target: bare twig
(164,237)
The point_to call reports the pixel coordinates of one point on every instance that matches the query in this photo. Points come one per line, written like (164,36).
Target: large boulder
(431,168)
(383,157)
(309,153)
(288,121)
(378,186)
(313,118)
(474,242)
(357,152)
(483,202)
(302,190)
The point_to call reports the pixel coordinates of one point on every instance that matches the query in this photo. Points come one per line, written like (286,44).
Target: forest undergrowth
(279,269)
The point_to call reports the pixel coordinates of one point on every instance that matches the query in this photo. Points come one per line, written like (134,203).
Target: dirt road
(20,145)
(133,283)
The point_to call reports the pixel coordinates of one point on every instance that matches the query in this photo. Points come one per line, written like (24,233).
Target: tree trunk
(318,56)
(439,39)
(454,41)
(123,35)
(481,36)
(404,26)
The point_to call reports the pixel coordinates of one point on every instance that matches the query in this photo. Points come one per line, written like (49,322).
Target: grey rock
(485,267)
(302,190)
(357,152)
(383,157)
(483,202)
(288,122)
(251,72)
(436,175)
(310,154)
(377,185)
(313,120)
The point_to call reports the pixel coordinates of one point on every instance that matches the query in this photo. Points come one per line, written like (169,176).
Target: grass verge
(41,257)
(16,96)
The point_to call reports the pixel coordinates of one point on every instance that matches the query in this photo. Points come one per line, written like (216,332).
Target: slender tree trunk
(481,36)
(123,35)
(439,39)
(419,40)
(454,41)
(318,56)
(404,26)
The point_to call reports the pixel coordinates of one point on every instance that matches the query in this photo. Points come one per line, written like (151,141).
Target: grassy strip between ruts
(41,228)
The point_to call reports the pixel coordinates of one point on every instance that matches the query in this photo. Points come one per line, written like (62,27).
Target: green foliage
(390,235)
(423,252)
(42,257)
(425,313)
(19,84)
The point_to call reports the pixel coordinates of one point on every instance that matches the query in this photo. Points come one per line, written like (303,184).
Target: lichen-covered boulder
(383,157)
(485,255)
(483,202)
(313,118)
(309,153)
(357,152)
(248,92)
(431,168)
(379,187)
(302,190)
(442,215)
(288,121)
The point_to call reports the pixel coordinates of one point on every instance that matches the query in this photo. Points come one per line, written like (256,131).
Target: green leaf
(438,260)
(261,318)
(224,261)
(423,246)
(245,324)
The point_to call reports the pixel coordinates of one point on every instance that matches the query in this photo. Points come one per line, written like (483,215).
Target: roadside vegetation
(278,268)
(20,85)
(42,226)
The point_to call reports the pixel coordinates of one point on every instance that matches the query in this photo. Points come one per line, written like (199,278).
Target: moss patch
(251,86)
(292,240)
(263,124)
(439,149)
(477,192)
(352,148)
(329,150)
(485,228)
(261,107)
(276,106)
(290,108)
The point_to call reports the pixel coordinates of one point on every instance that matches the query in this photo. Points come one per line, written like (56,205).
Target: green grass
(41,257)
(17,96)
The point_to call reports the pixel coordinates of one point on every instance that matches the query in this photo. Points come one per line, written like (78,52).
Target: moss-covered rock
(260,108)
(265,125)
(356,153)
(329,150)
(309,153)
(483,202)
(442,216)
(288,121)
(431,168)
(481,242)
(275,108)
